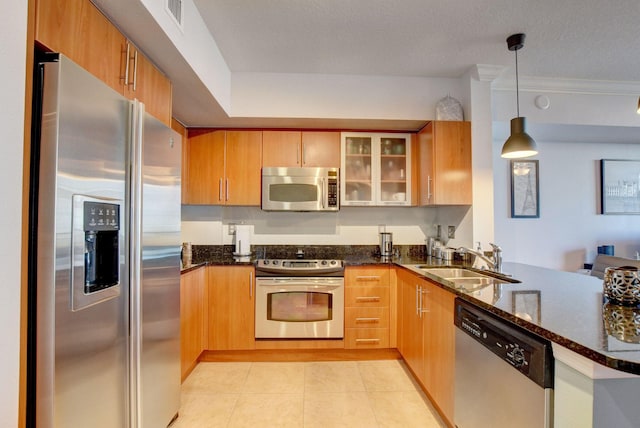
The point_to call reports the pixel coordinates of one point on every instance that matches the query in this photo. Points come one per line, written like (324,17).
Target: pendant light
(639,105)
(519,144)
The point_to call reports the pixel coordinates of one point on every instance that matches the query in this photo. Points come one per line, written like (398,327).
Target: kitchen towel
(243,240)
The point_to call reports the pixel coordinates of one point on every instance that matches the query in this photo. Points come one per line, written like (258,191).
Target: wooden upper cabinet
(445,163)
(223,168)
(281,148)
(243,174)
(296,148)
(149,85)
(205,179)
(321,149)
(77,29)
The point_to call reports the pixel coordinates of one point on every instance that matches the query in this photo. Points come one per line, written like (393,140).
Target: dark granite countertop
(566,308)
(563,307)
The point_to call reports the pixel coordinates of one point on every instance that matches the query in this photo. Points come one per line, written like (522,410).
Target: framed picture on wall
(620,186)
(525,197)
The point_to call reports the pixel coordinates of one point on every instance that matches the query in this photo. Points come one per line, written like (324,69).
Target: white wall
(208,225)
(569,229)
(13,24)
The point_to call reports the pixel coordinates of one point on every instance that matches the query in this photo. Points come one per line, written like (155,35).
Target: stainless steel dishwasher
(504,374)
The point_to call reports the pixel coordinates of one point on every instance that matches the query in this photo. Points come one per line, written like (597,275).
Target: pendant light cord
(517,88)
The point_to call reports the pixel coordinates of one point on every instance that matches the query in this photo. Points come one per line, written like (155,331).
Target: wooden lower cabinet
(427,338)
(367,297)
(231,308)
(193,318)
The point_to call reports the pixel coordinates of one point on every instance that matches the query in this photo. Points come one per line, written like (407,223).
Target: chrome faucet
(493,263)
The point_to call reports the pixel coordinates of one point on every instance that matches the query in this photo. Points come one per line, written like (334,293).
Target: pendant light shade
(519,144)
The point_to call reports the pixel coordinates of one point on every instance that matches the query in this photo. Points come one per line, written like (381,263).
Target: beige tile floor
(352,394)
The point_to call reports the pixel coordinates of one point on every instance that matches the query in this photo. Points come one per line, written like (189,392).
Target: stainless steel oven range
(299,299)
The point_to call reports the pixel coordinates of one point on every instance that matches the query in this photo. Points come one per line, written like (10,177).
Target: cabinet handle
(126,65)
(220,189)
(367,340)
(298,161)
(368,299)
(418,301)
(227,189)
(368,278)
(368,319)
(135,70)
(251,284)
(422,309)
(429,188)
(304,158)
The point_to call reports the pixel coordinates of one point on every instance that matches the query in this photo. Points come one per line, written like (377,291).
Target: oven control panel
(299,267)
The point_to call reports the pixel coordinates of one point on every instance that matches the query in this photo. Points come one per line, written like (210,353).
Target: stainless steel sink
(462,279)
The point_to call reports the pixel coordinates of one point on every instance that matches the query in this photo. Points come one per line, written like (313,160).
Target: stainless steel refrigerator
(104,293)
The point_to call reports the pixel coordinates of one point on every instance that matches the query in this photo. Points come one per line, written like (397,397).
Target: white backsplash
(209,225)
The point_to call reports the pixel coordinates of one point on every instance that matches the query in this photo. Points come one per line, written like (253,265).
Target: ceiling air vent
(174,7)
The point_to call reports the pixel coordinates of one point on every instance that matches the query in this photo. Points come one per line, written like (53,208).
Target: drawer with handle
(363,317)
(365,338)
(374,296)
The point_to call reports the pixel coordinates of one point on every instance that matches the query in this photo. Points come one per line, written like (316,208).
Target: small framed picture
(526,305)
(620,186)
(525,198)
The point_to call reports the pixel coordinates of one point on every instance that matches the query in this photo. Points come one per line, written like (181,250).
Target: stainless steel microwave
(300,189)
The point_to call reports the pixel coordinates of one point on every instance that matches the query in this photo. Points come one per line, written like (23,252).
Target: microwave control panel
(332,184)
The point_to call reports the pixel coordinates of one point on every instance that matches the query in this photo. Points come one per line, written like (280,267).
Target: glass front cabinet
(376,169)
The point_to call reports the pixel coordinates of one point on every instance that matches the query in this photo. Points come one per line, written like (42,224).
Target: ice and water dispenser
(101,245)
(97,250)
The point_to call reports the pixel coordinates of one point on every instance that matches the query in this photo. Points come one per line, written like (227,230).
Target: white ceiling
(585,39)
(569,39)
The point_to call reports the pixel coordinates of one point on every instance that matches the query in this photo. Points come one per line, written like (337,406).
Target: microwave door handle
(322,194)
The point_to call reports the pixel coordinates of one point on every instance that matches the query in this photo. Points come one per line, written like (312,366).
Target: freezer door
(156,308)
(80,348)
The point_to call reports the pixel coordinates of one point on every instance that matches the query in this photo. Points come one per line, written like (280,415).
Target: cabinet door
(357,180)
(205,181)
(411,336)
(445,163)
(77,29)
(321,149)
(281,148)
(439,348)
(192,318)
(231,308)
(243,173)
(395,169)
(376,169)
(150,86)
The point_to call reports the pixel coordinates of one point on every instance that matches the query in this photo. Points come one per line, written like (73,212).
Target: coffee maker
(386,244)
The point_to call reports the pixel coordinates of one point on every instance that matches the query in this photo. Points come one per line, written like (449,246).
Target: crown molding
(486,72)
(567,86)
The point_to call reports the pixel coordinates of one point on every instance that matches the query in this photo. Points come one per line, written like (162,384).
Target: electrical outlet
(232,228)
(439,233)
(451,232)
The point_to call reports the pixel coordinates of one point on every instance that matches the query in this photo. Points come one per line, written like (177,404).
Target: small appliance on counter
(386,244)
(242,240)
